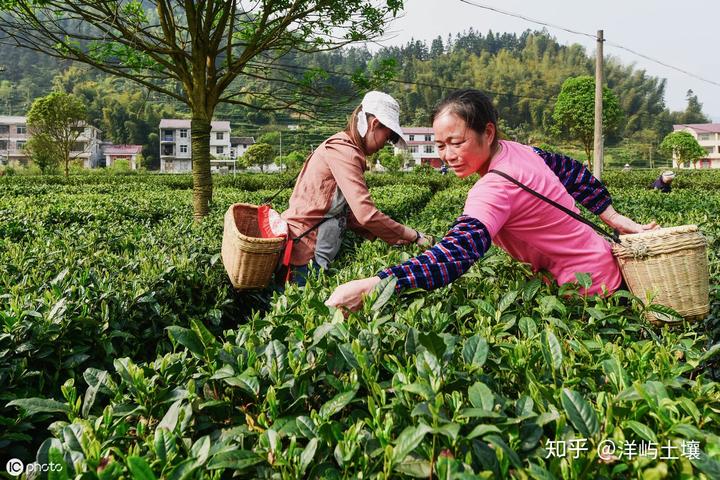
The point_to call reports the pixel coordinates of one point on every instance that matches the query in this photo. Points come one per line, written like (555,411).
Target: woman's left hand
(350,295)
(623,224)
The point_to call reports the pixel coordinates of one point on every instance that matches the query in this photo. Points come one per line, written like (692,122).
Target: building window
(20,144)
(428,138)
(411,138)
(219,136)
(3,145)
(413,149)
(183,133)
(183,148)
(709,149)
(704,136)
(4,128)
(429,149)
(21,129)
(220,149)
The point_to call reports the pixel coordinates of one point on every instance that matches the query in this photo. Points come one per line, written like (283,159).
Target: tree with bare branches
(202,52)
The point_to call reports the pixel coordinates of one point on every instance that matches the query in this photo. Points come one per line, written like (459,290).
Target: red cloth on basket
(273,226)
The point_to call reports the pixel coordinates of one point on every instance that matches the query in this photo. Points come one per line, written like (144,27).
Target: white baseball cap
(386,109)
(668,174)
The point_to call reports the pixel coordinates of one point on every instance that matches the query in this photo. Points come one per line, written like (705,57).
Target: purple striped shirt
(465,243)
(587,190)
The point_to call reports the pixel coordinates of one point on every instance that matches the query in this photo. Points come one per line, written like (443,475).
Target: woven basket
(669,264)
(249,260)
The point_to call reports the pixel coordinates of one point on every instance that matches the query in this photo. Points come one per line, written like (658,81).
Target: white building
(113,153)
(421,145)
(176,151)
(14,135)
(239,145)
(708,136)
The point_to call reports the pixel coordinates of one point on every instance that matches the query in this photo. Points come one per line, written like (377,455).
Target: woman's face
(461,147)
(377,136)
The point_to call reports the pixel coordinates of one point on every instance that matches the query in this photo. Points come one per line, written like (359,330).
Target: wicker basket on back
(249,260)
(669,264)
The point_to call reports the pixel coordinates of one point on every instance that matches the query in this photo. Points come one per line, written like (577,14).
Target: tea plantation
(125,352)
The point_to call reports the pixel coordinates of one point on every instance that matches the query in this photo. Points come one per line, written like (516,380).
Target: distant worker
(664,181)
(627,167)
(444,169)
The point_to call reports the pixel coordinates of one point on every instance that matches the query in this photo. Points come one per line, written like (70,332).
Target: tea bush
(125,352)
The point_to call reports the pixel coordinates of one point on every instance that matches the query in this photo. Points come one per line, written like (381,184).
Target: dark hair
(473,106)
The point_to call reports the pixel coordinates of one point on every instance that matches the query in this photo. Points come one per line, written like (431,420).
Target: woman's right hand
(425,241)
(350,295)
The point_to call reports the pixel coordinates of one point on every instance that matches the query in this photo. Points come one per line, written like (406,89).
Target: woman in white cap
(331,194)
(664,181)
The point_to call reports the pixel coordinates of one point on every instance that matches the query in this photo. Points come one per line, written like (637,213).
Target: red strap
(286,259)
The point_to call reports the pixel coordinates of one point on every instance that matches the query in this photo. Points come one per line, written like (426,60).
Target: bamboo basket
(249,260)
(669,264)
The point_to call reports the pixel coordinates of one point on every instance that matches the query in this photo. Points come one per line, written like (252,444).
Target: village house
(113,153)
(708,136)
(176,150)
(421,145)
(14,135)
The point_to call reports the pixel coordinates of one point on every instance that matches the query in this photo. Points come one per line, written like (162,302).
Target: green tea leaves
(475,351)
(579,412)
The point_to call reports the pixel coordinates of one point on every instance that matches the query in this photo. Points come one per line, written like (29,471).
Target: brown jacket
(331,184)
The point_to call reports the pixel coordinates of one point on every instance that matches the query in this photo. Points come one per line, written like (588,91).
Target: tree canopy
(574,111)
(199,52)
(259,154)
(57,122)
(683,147)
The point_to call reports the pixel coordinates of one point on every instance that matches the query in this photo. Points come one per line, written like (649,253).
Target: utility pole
(598,136)
(651,159)
(7,141)
(281,143)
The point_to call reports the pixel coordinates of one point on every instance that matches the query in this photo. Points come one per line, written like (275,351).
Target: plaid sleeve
(465,243)
(578,181)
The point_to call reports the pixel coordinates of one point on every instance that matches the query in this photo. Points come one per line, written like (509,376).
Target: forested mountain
(522,73)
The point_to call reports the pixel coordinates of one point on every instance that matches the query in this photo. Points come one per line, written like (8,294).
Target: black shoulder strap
(614,236)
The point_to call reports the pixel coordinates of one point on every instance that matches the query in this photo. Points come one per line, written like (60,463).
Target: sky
(685,35)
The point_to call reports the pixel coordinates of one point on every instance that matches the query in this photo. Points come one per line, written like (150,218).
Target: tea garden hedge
(125,352)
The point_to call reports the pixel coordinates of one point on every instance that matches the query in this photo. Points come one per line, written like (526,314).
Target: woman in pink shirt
(498,210)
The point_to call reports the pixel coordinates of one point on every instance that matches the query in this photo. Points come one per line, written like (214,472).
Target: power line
(523,17)
(612,44)
(712,82)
